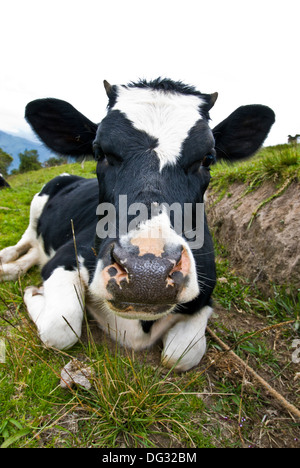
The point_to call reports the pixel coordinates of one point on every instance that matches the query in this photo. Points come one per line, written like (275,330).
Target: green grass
(234,291)
(132,402)
(15,203)
(278,164)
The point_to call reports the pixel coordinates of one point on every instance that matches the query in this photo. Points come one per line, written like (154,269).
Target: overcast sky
(248,51)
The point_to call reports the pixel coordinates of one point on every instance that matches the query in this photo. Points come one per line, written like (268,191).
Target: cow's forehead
(166,116)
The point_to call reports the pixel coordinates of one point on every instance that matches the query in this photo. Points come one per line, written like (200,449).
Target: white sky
(247,50)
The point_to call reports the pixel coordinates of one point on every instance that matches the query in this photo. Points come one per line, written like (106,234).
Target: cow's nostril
(181,267)
(118,272)
(117,269)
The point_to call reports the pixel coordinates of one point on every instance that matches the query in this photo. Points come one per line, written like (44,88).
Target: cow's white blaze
(165,116)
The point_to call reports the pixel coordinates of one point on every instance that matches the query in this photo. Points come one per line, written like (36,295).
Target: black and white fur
(155,146)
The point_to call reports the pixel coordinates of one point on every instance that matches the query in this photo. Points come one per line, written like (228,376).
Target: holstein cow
(3,183)
(143,280)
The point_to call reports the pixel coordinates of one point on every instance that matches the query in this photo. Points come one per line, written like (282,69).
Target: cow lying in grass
(144,265)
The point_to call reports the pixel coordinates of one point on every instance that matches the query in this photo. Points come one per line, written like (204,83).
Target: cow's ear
(243,132)
(61,127)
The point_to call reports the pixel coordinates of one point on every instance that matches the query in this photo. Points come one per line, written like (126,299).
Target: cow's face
(154,149)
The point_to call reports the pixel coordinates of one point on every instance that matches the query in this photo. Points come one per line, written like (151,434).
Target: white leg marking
(11,271)
(57,308)
(185,342)
(16,260)
(10,254)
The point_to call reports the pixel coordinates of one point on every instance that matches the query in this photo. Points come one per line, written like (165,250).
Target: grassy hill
(278,164)
(15,203)
(133,401)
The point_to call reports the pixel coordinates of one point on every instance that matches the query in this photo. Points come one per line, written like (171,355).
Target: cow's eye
(98,153)
(208,160)
(113,159)
(194,167)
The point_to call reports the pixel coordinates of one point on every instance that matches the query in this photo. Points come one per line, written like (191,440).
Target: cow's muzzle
(145,283)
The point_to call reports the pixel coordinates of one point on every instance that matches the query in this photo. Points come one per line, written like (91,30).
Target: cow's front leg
(17,259)
(185,343)
(20,264)
(57,307)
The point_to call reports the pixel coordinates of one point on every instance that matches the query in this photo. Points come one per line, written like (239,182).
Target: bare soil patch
(266,250)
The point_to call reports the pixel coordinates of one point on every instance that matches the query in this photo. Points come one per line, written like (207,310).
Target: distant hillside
(14,145)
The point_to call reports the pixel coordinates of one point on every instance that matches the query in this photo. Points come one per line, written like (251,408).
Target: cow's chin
(136,311)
